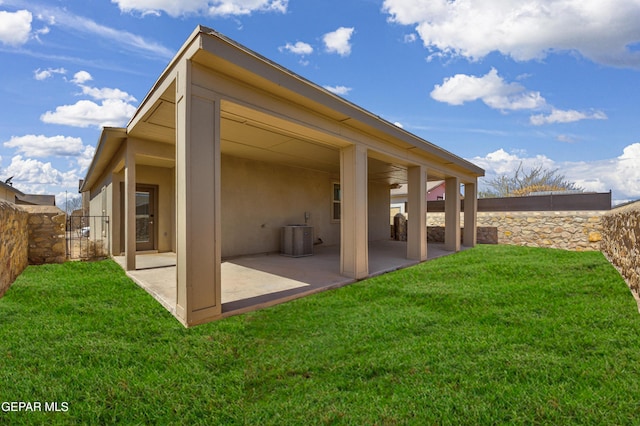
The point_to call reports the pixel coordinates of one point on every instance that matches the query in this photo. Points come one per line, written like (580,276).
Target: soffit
(237,62)
(241,64)
(250,134)
(159,122)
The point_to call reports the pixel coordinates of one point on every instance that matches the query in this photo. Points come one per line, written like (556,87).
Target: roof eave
(94,171)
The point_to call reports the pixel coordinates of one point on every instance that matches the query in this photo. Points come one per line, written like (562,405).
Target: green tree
(524,182)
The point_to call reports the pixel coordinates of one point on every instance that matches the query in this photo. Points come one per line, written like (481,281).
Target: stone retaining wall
(484,234)
(29,235)
(47,228)
(621,243)
(14,243)
(570,230)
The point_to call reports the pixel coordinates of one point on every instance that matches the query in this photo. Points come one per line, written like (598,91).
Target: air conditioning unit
(296,241)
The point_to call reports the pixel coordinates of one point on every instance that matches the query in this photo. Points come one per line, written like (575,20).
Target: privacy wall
(29,235)
(621,242)
(568,230)
(14,243)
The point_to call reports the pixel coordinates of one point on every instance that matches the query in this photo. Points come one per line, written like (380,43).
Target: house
(228,147)
(15,196)
(435,192)
(8,192)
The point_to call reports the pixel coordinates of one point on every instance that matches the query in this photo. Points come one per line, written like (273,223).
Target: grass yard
(492,335)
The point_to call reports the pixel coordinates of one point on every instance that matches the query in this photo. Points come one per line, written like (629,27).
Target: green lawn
(493,335)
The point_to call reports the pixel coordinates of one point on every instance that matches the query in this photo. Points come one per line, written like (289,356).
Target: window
(335,203)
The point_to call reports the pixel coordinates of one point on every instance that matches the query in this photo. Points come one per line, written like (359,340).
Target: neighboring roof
(36,200)
(402,189)
(10,188)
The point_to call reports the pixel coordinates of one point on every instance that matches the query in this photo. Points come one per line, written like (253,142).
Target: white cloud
(602,31)
(43,146)
(124,40)
(568,116)
(490,88)
(299,48)
(115,108)
(410,38)
(566,138)
(245,7)
(498,94)
(338,90)
(32,175)
(85,113)
(339,41)
(621,174)
(85,158)
(15,27)
(628,170)
(501,162)
(107,93)
(81,77)
(211,7)
(41,74)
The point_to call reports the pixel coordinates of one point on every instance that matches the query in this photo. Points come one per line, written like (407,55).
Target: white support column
(197,203)
(354,244)
(470,214)
(130,207)
(452,214)
(417,209)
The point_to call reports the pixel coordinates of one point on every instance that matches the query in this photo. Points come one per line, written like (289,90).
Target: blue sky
(498,82)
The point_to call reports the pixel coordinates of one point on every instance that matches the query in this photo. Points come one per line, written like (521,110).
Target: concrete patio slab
(254,282)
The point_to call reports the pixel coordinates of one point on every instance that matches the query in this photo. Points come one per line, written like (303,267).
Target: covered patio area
(230,148)
(254,282)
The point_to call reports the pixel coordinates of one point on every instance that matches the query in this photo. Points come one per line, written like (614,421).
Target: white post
(417,209)
(452,214)
(130,207)
(198,256)
(354,250)
(470,215)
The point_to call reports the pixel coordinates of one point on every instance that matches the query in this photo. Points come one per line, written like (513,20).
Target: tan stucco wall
(103,204)
(258,199)
(378,204)
(100,205)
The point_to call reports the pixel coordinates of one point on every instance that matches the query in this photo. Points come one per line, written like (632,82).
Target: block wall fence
(29,235)
(36,235)
(568,230)
(621,243)
(14,243)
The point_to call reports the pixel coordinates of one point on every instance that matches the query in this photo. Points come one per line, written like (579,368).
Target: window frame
(335,202)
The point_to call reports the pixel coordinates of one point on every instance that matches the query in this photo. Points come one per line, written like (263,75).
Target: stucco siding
(258,199)
(379,199)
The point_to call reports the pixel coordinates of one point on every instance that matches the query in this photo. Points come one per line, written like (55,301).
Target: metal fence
(87,237)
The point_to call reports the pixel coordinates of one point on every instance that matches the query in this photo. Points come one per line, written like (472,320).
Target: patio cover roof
(155,117)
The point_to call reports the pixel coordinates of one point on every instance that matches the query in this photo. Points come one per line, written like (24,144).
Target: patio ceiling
(254,135)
